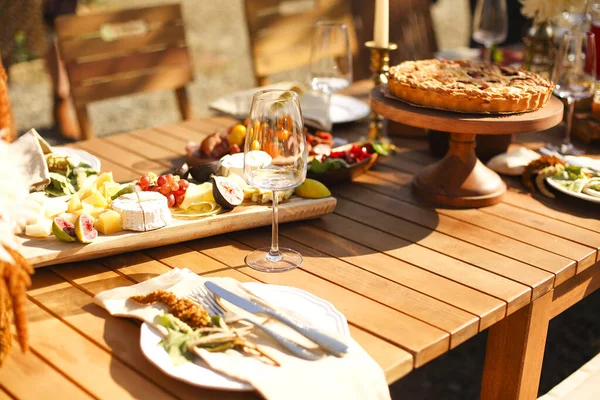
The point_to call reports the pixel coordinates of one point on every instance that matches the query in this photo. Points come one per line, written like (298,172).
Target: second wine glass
(330,61)
(574,78)
(275,128)
(490,24)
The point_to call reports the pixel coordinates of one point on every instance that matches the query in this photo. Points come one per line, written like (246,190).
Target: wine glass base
(566,149)
(260,260)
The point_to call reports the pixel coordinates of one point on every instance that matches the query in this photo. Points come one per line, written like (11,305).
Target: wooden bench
(583,384)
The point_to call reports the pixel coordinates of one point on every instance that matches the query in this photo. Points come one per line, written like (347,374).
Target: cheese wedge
(142,211)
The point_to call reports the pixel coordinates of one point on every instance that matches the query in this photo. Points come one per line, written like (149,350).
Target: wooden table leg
(515,351)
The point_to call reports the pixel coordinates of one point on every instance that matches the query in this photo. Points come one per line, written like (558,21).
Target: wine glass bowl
(276,128)
(574,77)
(330,67)
(490,24)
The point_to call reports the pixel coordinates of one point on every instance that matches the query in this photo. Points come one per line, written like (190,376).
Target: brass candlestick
(380,66)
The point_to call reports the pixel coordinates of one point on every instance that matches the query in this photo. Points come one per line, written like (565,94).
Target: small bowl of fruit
(342,164)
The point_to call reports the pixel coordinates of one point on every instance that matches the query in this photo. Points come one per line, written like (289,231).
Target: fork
(201,295)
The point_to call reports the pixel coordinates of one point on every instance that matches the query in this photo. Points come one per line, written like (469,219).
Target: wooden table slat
(479,236)
(27,376)
(121,156)
(146,149)
(506,279)
(162,139)
(343,230)
(83,361)
(583,255)
(555,227)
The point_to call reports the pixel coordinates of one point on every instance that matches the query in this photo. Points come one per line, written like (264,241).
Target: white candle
(381,31)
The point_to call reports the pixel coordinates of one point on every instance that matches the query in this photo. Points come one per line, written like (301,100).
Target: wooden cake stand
(460,179)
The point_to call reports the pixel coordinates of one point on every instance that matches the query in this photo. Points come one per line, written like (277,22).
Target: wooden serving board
(49,251)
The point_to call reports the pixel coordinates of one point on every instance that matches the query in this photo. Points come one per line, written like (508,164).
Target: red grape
(183,183)
(144,182)
(165,189)
(180,192)
(161,180)
(153,188)
(174,186)
(178,200)
(169,178)
(171,200)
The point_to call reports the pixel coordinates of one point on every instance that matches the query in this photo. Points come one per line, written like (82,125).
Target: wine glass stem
(487,55)
(274,254)
(569,124)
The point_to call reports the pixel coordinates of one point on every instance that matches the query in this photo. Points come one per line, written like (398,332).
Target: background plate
(301,305)
(345,109)
(79,155)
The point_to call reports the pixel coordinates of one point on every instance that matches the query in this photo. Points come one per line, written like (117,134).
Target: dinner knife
(331,344)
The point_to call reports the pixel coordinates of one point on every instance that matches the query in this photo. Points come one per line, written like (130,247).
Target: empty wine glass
(574,77)
(276,128)
(490,24)
(330,61)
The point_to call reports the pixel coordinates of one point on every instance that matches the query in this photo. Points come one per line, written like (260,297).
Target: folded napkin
(314,104)
(354,376)
(513,162)
(30,149)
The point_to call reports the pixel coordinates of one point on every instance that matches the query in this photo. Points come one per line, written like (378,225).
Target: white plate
(296,303)
(345,109)
(77,155)
(581,196)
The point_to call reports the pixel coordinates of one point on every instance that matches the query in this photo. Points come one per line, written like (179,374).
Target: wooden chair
(411,27)
(280,31)
(116,53)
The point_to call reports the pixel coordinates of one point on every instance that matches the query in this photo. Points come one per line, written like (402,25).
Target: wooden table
(413,281)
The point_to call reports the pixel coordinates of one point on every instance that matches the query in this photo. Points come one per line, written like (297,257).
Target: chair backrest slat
(155,80)
(69,26)
(280,31)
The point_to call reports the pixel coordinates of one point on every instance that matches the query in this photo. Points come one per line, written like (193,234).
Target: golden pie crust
(468,86)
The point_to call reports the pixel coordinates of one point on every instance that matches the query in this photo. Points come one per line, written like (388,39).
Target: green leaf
(177,346)
(317,167)
(59,185)
(336,163)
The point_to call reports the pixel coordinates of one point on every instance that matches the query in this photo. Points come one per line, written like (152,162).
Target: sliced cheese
(142,211)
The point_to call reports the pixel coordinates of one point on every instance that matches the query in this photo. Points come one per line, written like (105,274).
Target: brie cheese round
(142,211)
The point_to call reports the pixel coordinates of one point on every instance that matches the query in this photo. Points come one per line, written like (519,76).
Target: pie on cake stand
(460,179)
